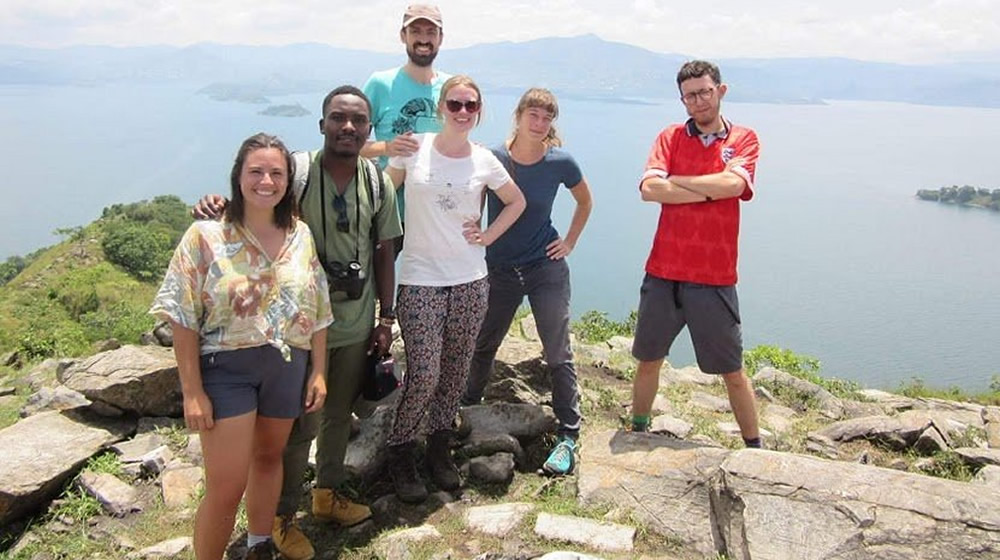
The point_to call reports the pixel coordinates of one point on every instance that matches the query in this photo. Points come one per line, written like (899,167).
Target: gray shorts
(711,313)
(258,378)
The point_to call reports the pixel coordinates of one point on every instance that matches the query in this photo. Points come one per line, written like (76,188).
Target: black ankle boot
(406,480)
(440,462)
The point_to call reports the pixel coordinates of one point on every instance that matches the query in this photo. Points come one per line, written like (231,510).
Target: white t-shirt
(442,193)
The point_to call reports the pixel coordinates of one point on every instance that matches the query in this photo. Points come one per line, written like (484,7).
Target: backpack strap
(300,180)
(376,192)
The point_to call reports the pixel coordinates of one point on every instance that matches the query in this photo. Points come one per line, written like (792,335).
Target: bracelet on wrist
(386,322)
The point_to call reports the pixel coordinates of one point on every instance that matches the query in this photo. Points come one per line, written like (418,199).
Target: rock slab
(610,537)
(497,520)
(141,380)
(41,452)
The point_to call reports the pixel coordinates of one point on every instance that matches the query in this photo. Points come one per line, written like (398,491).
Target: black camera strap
(357,212)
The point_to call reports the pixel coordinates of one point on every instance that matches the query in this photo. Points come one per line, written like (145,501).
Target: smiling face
(461,104)
(535,123)
(422,39)
(345,125)
(264,178)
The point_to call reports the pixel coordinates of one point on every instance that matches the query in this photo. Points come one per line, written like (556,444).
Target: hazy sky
(890,30)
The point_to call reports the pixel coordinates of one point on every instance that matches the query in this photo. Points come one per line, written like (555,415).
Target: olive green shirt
(353,319)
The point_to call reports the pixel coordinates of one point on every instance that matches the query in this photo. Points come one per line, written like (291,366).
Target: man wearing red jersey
(698,172)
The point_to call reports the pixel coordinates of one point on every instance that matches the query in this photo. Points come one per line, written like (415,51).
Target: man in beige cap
(404,99)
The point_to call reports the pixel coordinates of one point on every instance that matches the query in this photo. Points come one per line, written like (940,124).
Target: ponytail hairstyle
(540,98)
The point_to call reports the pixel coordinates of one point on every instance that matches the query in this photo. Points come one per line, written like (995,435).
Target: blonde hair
(540,98)
(453,82)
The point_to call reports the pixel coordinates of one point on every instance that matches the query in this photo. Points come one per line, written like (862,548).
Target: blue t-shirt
(400,105)
(526,240)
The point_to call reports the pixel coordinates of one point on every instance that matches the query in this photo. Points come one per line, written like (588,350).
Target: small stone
(494,469)
(661,405)
(180,485)
(710,402)
(166,550)
(132,451)
(156,461)
(988,476)
(897,464)
(497,520)
(602,536)
(59,398)
(820,445)
(764,394)
(192,451)
(930,442)
(116,497)
(106,345)
(397,544)
(487,443)
(5,391)
(672,426)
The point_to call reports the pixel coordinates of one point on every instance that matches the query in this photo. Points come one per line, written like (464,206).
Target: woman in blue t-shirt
(530,260)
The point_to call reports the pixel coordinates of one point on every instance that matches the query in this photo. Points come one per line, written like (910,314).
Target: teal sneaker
(562,459)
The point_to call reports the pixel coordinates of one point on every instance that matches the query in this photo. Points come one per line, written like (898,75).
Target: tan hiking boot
(289,539)
(331,506)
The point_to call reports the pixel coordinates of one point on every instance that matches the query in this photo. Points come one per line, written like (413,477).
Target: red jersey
(697,242)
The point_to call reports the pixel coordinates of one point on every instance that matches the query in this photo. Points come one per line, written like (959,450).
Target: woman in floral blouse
(249,306)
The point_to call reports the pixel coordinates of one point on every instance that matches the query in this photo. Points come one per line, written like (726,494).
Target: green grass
(106,463)
(595,326)
(917,388)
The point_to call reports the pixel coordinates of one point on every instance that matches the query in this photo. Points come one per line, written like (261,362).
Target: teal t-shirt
(401,105)
(353,319)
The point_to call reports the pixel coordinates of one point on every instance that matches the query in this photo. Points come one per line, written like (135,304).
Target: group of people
(272,293)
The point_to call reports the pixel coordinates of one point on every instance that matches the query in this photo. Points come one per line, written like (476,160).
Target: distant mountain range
(584,66)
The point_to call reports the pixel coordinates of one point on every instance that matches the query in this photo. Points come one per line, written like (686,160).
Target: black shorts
(258,378)
(711,313)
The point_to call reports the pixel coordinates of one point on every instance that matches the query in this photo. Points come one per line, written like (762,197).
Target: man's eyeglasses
(340,205)
(340,119)
(455,105)
(702,94)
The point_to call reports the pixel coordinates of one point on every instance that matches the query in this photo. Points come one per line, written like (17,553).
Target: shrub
(594,326)
(142,250)
(798,365)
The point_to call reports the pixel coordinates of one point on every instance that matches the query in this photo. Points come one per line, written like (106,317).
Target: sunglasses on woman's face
(454,105)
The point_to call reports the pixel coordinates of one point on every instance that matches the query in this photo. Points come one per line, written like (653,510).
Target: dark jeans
(546,283)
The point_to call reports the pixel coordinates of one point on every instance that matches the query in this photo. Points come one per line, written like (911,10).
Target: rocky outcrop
(752,504)
(140,380)
(41,452)
(829,405)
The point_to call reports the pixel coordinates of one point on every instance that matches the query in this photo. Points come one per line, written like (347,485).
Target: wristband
(386,322)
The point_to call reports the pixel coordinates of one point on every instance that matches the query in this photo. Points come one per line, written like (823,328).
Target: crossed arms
(686,189)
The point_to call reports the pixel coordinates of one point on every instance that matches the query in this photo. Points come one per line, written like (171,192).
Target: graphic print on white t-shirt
(442,194)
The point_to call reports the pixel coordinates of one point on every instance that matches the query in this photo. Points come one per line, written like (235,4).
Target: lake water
(838,259)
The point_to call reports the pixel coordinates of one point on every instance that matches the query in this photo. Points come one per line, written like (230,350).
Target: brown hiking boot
(444,473)
(328,505)
(289,539)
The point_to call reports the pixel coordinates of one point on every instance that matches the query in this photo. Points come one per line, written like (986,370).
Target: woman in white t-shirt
(443,290)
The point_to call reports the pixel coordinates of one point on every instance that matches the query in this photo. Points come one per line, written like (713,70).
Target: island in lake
(294,110)
(965,196)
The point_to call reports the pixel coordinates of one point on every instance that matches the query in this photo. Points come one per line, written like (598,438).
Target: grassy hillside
(95,285)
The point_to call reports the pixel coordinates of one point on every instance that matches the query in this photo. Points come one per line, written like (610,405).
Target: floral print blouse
(222,284)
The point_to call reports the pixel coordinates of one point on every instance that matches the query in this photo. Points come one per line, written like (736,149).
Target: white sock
(253,540)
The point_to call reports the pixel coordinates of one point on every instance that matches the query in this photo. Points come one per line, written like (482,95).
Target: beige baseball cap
(429,12)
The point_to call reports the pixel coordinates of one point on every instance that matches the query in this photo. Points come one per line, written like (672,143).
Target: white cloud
(912,31)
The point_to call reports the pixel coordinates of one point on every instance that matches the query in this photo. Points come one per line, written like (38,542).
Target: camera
(345,278)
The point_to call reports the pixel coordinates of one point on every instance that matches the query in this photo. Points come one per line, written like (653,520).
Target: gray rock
(821,445)
(565,555)
(367,453)
(620,344)
(891,401)
(7,391)
(116,497)
(589,354)
(977,457)
(166,550)
(512,390)
(106,345)
(778,418)
(732,429)
(479,444)
(397,544)
(497,520)
(669,425)
(494,469)
(897,432)
(140,380)
(689,374)
(156,461)
(763,394)
(930,442)
(518,420)
(661,405)
(42,451)
(665,483)
(179,485)
(163,334)
(601,536)
(988,476)
(829,405)
(711,403)
(147,339)
(46,373)
(58,398)
(132,451)
(784,506)
(991,423)
(192,451)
